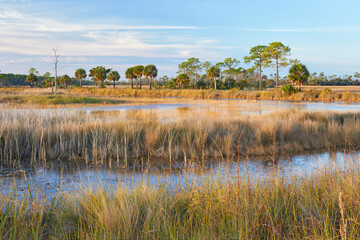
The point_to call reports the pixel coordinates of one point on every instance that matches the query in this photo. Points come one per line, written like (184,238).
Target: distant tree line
(196,74)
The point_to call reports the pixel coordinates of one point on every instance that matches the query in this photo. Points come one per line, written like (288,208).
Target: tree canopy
(65,79)
(31,78)
(80,74)
(113,76)
(138,72)
(212,73)
(191,67)
(99,74)
(278,52)
(150,72)
(298,74)
(129,74)
(182,80)
(258,56)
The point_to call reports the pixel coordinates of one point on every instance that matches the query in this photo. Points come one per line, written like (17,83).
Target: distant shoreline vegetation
(325,95)
(72,95)
(196,74)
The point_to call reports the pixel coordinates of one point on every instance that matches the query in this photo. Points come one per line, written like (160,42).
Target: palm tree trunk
(140,83)
(150,82)
(132,83)
(80,82)
(114,84)
(215,82)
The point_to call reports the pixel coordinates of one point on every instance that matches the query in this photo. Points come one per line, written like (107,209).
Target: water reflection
(256,107)
(47,182)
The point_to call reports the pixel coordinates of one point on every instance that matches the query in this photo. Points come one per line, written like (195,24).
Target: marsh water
(237,106)
(46,182)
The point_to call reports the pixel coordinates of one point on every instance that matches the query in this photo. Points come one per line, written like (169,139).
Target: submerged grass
(33,138)
(323,206)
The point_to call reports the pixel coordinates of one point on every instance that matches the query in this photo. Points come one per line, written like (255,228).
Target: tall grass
(323,206)
(58,100)
(324,95)
(308,95)
(39,137)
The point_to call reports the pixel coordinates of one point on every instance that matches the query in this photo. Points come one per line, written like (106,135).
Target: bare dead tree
(55,59)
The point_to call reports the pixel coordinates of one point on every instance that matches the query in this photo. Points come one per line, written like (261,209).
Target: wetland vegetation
(119,141)
(322,206)
(187,143)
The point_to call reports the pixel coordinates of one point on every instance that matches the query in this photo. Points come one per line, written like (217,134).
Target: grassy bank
(324,206)
(309,95)
(312,95)
(58,100)
(28,137)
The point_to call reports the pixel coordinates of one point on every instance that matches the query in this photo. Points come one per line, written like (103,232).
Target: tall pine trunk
(260,77)
(277,72)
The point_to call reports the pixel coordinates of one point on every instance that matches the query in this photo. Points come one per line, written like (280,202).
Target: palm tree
(138,72)
(298,74)
(99,74)
(113,77)
(31,78)
(150,72)
(65,80)
(80,74)
(212,73)
(182,80)
(129,74)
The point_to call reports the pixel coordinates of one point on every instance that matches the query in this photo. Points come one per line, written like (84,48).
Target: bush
(200,84)
(288,89)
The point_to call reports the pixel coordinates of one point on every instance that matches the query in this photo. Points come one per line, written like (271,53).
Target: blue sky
(324,35)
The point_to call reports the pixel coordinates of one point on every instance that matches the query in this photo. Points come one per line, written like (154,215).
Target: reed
(119,139)
(307,95)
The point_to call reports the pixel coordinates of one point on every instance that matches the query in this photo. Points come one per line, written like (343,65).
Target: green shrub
(288,89)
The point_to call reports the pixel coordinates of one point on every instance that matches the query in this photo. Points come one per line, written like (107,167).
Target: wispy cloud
(79,44)
(289,30)
(25,34)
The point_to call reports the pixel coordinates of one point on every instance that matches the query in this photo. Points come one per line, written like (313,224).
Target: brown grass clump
(27,136)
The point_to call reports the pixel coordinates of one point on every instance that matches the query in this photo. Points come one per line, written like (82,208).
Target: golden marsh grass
(119,139)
